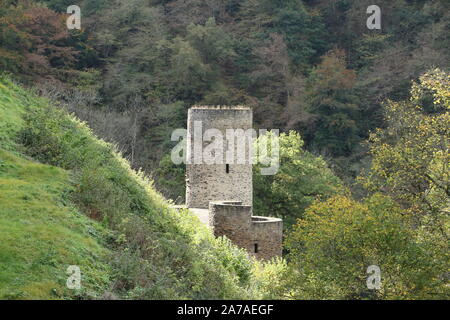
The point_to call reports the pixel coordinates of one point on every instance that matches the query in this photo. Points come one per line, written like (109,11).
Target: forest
(364,116)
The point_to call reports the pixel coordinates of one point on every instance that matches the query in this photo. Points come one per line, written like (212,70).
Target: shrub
(335,243)
(270,279)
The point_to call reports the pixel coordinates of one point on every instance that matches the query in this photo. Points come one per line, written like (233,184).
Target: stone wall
(212,182)
(233,220)
(268,235)
(260,236)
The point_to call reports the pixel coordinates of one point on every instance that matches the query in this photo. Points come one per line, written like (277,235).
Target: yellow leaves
(340,237)
(436,81)
(409,155)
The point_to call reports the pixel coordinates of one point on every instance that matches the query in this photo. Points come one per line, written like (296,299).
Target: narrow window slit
(227,168)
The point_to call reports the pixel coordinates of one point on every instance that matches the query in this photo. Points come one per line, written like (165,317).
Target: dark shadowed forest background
(311,66)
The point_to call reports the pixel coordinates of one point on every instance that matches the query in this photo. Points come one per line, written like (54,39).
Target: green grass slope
(41,235)
(41,232)
(127,241)
(11,107)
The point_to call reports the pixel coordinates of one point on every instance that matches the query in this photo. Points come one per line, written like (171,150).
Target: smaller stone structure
(260,236)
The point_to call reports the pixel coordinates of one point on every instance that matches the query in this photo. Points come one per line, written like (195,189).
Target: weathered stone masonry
(260,236)
(226,189)
(209,182)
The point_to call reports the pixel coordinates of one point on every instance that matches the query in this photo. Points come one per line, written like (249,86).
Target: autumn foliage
(34,41)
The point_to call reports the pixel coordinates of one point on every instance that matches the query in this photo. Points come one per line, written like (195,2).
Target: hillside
(68,198)
(41,233)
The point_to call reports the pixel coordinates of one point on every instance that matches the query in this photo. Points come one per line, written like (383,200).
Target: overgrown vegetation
(155,251)
(42,233)
(406,231)
(301,179)
(339,239)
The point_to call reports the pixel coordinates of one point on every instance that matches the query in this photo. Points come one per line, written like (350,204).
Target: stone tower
(225,181)
(220,193)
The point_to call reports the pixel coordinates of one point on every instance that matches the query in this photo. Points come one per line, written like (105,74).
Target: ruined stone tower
(221,195)
(211,182)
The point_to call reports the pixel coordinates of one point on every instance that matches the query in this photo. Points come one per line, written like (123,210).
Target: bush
(335,243)
(270,279)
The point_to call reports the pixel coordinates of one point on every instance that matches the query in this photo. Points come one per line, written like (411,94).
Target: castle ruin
(221,195)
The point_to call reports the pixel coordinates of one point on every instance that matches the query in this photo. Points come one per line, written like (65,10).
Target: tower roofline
(196,107)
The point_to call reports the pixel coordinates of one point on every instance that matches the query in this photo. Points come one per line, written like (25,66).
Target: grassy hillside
(127,242)
(41,231)
(41,234)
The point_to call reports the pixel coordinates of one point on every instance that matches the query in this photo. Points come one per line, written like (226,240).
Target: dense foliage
(311,66)
(336,240)
(335,243)
(300,179)
(411,155)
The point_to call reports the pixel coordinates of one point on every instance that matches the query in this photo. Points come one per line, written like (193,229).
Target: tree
(35,41)
(214,44)
(332,247)
(58,5)
(301,179)
(411,155)
(302,30)
(270,78)
(192,77)
(332,102)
